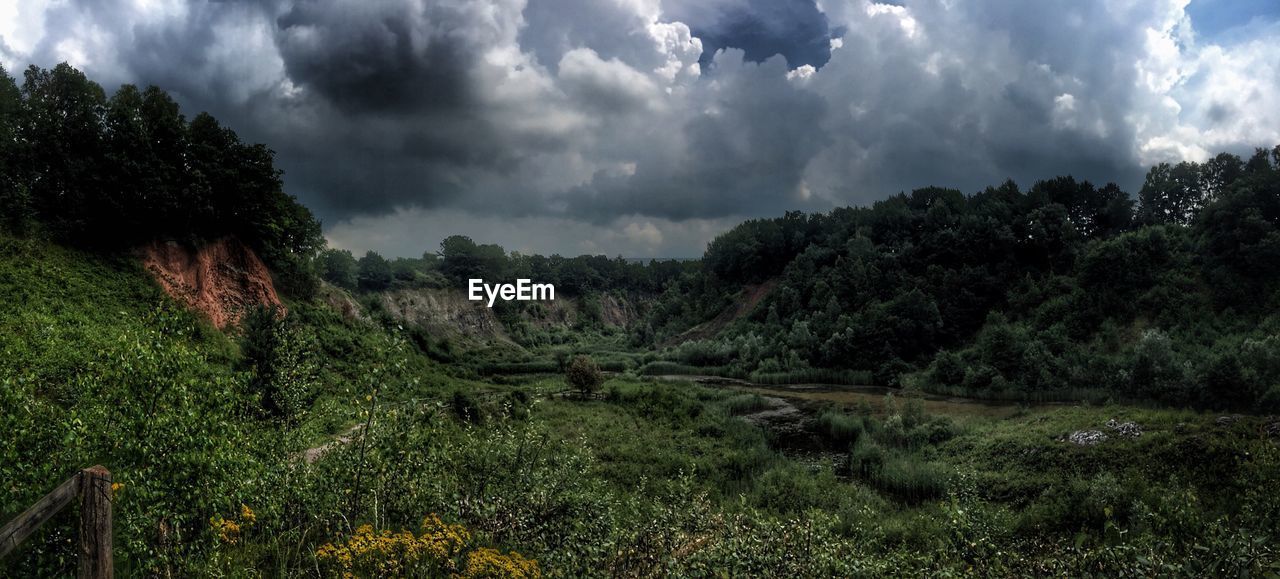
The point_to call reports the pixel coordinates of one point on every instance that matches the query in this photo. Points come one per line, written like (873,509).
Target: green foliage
(110,173)
(838,428)
(279,357)
(745,404)
(1064,291)
(1058,291)
(99,367)
(338,267)
(464,407)
(584,375)
(373,272)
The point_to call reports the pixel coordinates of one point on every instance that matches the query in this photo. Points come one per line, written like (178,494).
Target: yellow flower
(247,515)
(228,531)
(436,551)
(486,563)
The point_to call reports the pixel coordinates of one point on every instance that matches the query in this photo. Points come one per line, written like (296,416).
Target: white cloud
(645,235)
(1197,98)
(589,123)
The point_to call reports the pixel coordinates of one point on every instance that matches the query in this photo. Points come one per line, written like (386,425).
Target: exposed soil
(221,280)
(448,312)
(340,301)
(445,312)
(314,453)
(746,303)
(615,312)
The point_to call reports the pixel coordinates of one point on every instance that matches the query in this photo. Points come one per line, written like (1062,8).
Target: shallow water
(872,395)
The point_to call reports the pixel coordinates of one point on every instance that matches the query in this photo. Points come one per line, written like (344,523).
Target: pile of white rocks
(1087,437)
(1126,429)
(1094,437)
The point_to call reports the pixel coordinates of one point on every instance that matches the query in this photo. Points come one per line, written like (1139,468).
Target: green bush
(839,428)
(465,407)
(746,404)
(584,375)
(866,459)
(911,479)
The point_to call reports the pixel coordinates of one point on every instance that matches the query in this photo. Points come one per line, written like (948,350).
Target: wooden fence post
(95,524)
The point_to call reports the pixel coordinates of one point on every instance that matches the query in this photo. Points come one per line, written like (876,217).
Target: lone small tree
(584,375)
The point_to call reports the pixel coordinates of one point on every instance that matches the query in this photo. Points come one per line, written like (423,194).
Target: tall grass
(544,367)
(814,376)
(1089,395)
(905,476)
(531,367)
(663,368)
(912,479)
(805,376)
(746,404)
(839,428)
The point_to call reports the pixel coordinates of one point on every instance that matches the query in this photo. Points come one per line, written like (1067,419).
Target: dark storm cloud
(747,154)
(649,115)
(388,58)
(795,29)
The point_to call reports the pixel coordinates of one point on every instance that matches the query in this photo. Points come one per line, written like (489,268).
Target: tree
(1171,194)
(338,267)
(15,204)
(284,370)
(374,272)
(63,122)
(584,375)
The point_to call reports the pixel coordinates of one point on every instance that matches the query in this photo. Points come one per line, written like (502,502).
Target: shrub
(911,479)
(584,375)
(465,407)
(839,428)
(285,374)
(866,458)
(745,404)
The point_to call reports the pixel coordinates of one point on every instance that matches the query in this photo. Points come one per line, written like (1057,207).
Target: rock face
(221,280)
(745,304)
(445,312)
(615,312)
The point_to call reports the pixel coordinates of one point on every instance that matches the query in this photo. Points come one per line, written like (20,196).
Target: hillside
(1063,291)
(101,366)
(222,279)
(1061,381)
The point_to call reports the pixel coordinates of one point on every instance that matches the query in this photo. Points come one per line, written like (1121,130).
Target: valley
(1058,380)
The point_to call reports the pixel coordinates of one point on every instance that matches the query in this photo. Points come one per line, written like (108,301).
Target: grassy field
(455,472)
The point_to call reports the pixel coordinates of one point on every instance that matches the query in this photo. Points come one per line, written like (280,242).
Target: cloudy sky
(645,127)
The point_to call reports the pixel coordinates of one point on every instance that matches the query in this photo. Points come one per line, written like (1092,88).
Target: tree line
(460,258)
(108,172)
(1062,287)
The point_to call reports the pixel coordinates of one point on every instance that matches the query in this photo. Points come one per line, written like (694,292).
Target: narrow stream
(854,395)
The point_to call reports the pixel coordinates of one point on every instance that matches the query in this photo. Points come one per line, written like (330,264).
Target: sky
(644,128)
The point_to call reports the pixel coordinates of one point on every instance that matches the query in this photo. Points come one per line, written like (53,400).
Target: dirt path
(314,453)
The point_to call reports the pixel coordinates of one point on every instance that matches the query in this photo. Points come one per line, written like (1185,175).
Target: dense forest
(110,172)
(1004,383)
(459,258)
(1061,289)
